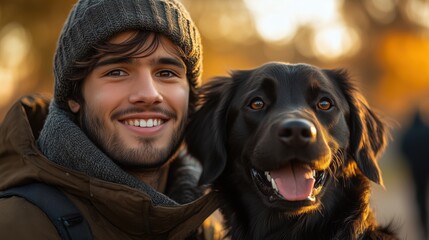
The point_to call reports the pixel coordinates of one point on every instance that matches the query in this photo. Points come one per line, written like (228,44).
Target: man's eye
(116,73)
(166,74)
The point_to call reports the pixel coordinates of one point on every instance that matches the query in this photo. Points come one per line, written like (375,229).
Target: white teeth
(157,122)
(314,173)
(274,185)
(143,123)
(271,180)
(268,176)
(150,123)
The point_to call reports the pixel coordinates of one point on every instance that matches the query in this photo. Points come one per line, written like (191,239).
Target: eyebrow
(111,61)
(170,61)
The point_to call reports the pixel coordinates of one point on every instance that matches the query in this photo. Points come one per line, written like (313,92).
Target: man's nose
(145,90)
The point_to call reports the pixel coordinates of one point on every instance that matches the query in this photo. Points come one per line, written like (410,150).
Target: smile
(144,123)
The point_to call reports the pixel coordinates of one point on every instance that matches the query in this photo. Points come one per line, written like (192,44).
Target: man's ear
(74,106)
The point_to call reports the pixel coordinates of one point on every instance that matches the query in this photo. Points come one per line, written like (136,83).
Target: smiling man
(134,106)
(126,73)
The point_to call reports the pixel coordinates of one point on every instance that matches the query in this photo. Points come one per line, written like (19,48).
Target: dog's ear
(368,133)
(206,132)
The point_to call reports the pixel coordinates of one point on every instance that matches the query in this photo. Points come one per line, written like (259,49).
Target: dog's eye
(257,104)
(325,104)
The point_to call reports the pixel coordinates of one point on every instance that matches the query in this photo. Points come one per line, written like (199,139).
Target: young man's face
(135,109)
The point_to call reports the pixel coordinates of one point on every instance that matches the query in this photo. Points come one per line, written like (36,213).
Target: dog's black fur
(284,115)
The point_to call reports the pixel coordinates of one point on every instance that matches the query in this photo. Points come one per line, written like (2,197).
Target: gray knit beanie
(94,21)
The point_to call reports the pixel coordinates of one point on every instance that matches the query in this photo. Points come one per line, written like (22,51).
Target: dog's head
(287,131)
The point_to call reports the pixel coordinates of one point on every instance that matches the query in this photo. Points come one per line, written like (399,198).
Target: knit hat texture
(94,21)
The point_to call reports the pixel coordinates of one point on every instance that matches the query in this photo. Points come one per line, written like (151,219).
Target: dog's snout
(297,132)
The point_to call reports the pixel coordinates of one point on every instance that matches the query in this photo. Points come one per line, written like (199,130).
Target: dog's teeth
(314,173)
(274,185)
(268,176)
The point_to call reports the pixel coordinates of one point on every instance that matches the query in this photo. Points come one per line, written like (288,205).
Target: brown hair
(140,45)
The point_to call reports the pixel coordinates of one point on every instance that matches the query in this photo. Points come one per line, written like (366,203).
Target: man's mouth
(293,182)
(144,123)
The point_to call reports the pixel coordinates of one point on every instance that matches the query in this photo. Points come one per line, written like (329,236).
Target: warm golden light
(404,61)
(381,10)
(418,11)
(220,20)
(14,47)
(334,41)
(279,21)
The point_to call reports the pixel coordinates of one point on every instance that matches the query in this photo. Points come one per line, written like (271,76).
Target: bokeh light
(280,20)
(14,48)
(418,11)
(381,10)
(334,41)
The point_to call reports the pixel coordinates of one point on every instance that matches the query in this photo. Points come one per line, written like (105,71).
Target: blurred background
(383,43)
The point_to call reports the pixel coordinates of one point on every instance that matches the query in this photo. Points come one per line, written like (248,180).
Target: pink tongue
(295,181)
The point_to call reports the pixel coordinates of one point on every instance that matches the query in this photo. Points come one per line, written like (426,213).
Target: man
(126,73)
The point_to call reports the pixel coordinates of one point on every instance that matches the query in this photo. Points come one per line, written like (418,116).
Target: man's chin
(145,156)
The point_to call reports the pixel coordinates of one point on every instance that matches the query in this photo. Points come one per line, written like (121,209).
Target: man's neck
(156,178)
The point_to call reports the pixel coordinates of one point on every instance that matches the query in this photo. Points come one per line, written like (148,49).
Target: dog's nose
(297,132)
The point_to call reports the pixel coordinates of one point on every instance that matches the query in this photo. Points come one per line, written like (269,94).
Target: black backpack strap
(65,216)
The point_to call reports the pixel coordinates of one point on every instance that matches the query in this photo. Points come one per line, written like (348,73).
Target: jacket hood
(130,209)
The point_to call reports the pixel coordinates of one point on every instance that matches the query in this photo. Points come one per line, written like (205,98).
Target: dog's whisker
(337,163)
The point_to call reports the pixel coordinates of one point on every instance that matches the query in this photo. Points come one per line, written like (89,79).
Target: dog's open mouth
(293,182)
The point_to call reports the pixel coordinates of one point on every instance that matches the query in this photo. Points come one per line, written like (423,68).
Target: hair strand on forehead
(139,45)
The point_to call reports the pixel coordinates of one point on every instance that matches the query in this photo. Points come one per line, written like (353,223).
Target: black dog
(292,149)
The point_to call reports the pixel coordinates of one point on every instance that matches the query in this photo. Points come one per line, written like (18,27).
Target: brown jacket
(114,211)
